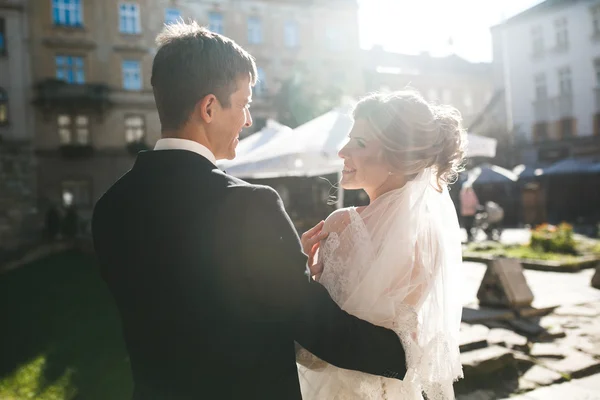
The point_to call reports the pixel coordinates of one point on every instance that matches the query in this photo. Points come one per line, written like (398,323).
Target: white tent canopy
(252,145)
(311,149)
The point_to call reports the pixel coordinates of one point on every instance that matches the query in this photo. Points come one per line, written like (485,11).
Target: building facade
(548,61)
(92,69)
(447,80)
(17,166)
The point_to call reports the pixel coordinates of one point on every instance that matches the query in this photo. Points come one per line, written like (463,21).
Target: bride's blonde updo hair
(415,134)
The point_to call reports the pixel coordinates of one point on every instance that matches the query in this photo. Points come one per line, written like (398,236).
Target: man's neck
(195,135)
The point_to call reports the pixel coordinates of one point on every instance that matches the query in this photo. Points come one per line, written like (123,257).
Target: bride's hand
(311,240)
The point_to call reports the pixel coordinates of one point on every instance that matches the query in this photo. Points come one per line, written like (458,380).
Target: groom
(207,270)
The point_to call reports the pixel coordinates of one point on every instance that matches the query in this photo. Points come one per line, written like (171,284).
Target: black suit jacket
(208,275)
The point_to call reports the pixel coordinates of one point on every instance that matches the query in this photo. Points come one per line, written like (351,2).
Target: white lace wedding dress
(395,264)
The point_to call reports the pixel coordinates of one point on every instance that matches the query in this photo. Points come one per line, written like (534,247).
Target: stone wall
(19,220)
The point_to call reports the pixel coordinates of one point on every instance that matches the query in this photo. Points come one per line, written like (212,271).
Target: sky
(415,26)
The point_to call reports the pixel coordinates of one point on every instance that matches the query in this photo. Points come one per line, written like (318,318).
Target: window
(76,192)
(254,30)
(132,76)
(260,89)
(73,130)
(597,70)
(541,90)
(215,22)
(129,18)
(290,34)
(3,107)
(562,33)
(2,37)
(595,20)
(564,78)
(67,12)
(172,16)
(537,40)
(70,69)
(134,129)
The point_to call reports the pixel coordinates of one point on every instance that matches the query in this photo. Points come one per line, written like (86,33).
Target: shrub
(553,239)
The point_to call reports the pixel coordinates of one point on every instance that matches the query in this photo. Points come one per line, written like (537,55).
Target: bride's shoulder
(337,220)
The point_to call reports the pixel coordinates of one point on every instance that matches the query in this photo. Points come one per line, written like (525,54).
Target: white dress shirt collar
(184,144)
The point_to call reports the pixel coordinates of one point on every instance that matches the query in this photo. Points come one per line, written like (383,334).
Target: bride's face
(364,165)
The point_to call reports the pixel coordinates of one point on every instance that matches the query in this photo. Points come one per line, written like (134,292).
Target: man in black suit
(206,270)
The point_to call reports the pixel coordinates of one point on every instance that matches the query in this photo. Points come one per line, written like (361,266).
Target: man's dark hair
(191,63)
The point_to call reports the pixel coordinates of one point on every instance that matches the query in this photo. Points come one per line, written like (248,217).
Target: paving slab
(473,337)
(549,350)
(486,361)
(541,376)
(507,338)
(578,389)
(575,364)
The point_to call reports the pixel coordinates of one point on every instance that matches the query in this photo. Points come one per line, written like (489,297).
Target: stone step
(486,361)
(473,337)
(540,376)
(575,364)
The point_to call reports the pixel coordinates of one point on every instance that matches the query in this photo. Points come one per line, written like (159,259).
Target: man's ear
(206,107)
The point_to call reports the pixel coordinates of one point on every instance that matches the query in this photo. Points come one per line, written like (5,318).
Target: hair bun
(450,158)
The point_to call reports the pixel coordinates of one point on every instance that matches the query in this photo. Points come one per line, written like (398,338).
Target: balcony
(57,95)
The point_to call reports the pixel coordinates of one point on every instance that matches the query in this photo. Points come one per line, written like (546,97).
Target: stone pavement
(507,355)
(549,288)
(577,389)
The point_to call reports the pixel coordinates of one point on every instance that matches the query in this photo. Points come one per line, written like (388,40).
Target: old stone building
(447,80)
(17,168)
(92,66)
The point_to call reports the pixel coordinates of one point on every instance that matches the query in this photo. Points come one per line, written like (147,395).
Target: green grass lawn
(588,247)
(60,333)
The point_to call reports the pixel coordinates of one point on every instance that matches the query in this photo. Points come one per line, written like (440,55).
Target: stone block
(482,314)
(473,337)
(504,285)
(486,361)
(596,278)
(541,376)
(575,364)
(507,338)
(577,311)
(548,350)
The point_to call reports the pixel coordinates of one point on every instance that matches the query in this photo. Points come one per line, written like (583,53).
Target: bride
(395,262)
